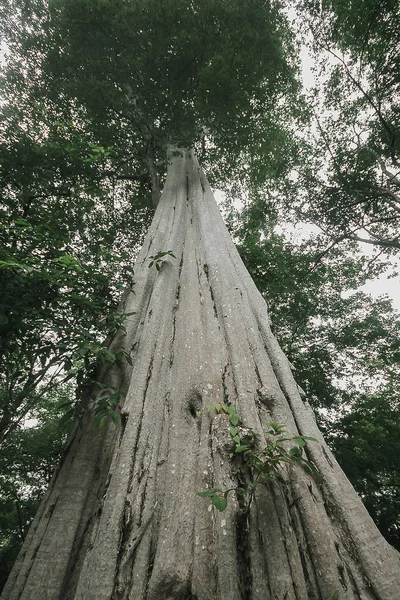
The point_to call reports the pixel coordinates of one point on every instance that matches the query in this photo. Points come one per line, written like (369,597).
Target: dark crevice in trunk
(134,452)
(260,382)
(149,374)
(277,503)
(130,540)
(226,398)
(181,262)
(309,567)
(150,566)
(328,459)
(124,416)
(119,590)
(243,556)
(142,501)
(175,310)
(206,271)
(194,405)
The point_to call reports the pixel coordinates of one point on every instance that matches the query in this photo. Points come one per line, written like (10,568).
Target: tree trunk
(122,519)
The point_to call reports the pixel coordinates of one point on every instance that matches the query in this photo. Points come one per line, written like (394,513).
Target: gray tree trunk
(122,519)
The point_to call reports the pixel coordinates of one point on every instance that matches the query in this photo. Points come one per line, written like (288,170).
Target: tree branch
(395,243)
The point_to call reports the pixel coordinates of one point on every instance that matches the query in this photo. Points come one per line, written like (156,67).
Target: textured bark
(122,520)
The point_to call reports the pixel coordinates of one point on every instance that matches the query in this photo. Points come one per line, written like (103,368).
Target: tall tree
(199,375)
(200,338)
(83,117)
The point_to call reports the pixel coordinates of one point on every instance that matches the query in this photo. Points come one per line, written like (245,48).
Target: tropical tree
(82,153)
(195,400)
(200,340)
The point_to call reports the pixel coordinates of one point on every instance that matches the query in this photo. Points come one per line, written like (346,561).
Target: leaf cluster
(258,466)
(356,128)
(157,259)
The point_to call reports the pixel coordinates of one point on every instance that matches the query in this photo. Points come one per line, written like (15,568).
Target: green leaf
(275,429)
(299,440)
(113,399)
(296,451)
(220,502)
(209,493)
(102,421)
(241,448)
(114,416)
(234,419)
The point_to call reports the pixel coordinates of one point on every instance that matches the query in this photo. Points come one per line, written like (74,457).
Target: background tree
(29,457)
(353,177)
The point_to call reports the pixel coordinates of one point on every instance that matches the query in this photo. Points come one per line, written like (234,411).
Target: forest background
(77,184)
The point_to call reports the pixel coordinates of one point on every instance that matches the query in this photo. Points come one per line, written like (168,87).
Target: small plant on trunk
(255,465)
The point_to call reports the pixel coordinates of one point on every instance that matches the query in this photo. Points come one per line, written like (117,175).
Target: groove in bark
(121,519)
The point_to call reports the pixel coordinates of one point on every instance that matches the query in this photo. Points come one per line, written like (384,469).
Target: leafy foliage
(258,466)
(58,301)
(366,441)
(123,78)
(158,258)
(351,171)
(28,458)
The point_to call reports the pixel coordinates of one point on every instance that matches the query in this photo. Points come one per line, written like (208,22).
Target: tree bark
(154,181)
(122,520)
